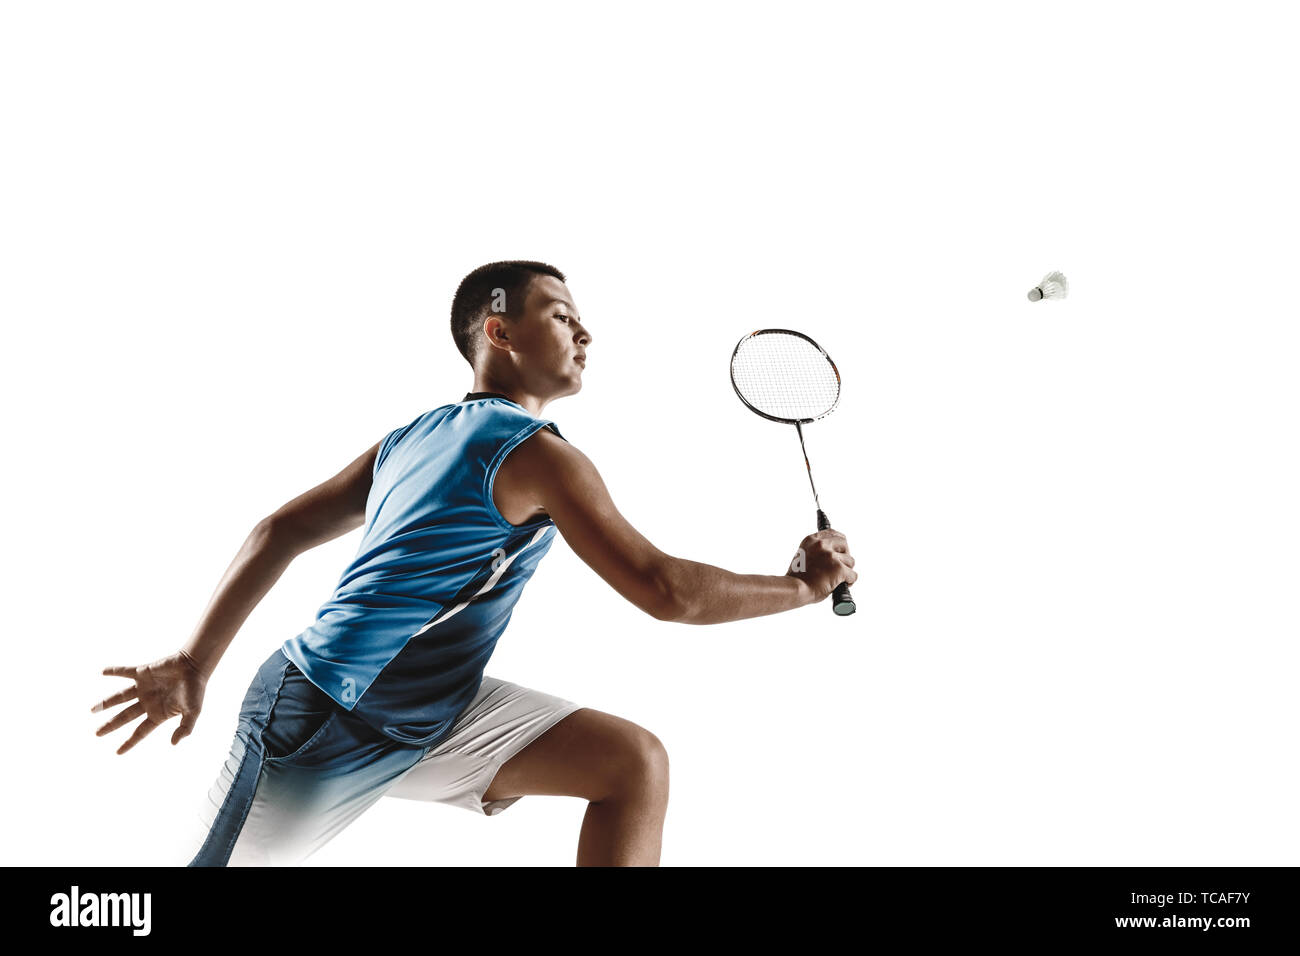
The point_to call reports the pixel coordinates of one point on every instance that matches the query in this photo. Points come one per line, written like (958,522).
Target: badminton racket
(786,377)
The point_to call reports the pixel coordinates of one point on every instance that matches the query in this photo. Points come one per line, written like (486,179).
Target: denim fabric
(300,768)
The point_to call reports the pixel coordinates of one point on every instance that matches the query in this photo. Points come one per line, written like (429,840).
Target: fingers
(832,541)
(142,730)
(132,712)
(832,549)
(121,697)
(185,728)
(846,559)
(120,671)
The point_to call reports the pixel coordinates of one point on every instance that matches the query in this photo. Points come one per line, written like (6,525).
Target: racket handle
(841,601)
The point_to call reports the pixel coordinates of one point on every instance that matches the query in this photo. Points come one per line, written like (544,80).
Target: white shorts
(277,809)
(502,720)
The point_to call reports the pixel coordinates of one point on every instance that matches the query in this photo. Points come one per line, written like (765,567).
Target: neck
(486,382)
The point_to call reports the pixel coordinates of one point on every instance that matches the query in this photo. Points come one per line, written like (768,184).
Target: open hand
(169,686)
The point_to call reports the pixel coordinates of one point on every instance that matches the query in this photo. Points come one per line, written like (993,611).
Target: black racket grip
(841,601)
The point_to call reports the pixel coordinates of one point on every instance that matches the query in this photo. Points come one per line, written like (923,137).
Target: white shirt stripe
(490,583)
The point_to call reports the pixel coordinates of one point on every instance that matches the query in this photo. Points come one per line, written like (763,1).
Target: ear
(497,332)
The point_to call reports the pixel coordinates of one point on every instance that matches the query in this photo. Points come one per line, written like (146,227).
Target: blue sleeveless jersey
(404,639)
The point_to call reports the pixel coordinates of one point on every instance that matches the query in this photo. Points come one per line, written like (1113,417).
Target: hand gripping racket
(787,377)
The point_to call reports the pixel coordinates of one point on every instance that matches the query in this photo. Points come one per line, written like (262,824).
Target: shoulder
(545,466)
(494,419)
(544,451)
(536,471)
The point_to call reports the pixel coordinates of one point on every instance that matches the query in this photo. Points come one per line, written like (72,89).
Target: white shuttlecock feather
(1053,286)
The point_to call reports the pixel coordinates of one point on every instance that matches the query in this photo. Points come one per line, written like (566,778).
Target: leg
(300,770)
(618,766)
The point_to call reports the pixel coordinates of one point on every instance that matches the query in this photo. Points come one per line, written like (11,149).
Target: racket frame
(776,418)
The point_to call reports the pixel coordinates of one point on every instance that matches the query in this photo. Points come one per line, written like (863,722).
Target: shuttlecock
(1053,286)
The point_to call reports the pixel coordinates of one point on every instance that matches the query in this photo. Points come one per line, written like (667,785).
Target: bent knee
(642,765)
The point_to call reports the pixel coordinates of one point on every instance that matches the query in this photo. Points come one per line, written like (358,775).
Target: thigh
(304,800)
(589,754)
(300,769)
(502,720)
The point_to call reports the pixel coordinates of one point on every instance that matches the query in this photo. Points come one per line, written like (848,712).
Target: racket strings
(785,376)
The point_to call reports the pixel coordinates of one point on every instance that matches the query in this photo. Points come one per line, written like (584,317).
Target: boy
(386,693)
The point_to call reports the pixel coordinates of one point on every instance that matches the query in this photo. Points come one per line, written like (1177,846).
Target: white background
(229,237)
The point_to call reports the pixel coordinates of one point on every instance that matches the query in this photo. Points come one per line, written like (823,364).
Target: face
(548,343)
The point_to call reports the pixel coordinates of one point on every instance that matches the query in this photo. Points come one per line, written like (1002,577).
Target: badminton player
(386,692)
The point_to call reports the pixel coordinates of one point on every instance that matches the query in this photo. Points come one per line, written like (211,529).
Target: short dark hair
(478,293)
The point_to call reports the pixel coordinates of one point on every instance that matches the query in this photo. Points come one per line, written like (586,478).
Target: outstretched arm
(332,508)
(175,684)
(547,475)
